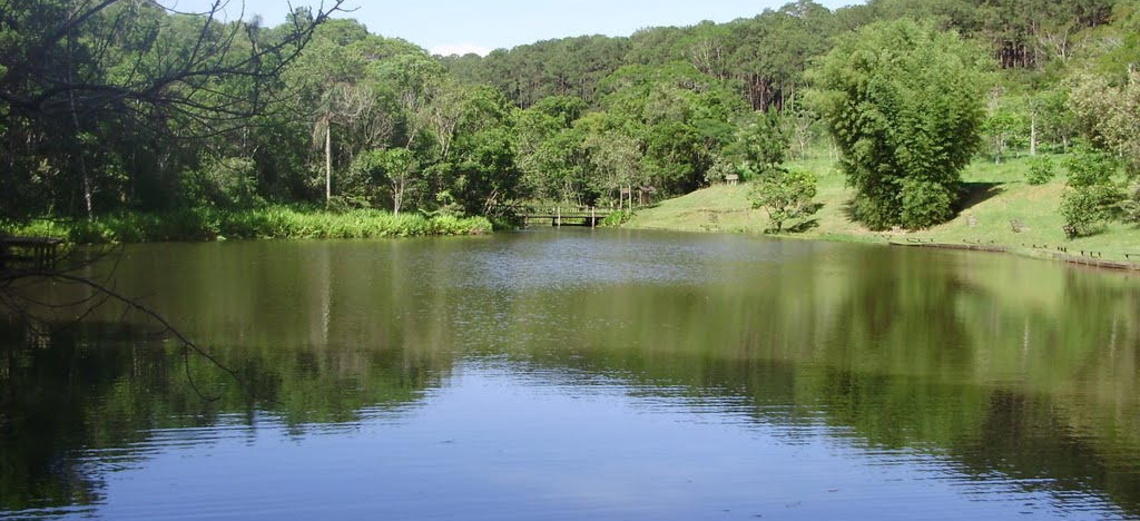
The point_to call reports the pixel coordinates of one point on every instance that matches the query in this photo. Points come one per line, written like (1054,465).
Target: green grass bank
(206,224)
(998,194)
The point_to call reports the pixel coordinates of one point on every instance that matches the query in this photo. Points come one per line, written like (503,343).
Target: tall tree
(904,102)
(80,74)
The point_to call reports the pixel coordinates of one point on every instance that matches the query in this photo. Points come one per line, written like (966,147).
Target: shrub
(1093,198)
(1041,170)
(617,218)
(720,170)
(1131,207)
(261,223)
(1087,209)
(229,182)
(1090,167)
(926,203)
(786,195)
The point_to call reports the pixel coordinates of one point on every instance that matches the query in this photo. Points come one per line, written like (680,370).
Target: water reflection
(580,374)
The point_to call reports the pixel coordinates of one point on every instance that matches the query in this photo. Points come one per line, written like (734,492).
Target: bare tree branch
(105,293)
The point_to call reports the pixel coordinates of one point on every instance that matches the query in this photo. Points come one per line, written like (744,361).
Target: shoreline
(1035,253)
(999,210)
(901,240)
(283,223)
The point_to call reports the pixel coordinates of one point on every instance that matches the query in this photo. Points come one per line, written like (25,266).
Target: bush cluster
(1087,209)
(203,224)
(1041,171)
(904,103)
(1092,199)
(787,196)
(616,218)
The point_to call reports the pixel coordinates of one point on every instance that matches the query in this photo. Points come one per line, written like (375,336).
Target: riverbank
(206,224)
(1001,209)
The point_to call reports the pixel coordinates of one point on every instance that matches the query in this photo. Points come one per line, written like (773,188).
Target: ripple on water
(591,375)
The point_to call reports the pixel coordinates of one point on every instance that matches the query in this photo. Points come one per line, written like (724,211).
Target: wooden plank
(29,241)
(28,252)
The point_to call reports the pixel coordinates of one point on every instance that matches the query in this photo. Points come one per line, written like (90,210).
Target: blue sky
(482,25)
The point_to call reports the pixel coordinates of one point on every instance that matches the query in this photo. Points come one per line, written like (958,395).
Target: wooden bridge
(560,215)
(28,253)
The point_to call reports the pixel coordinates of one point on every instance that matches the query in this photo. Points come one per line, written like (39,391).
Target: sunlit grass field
(998,195)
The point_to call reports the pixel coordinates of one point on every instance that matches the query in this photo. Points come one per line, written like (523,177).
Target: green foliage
(721,168)
(109,105)
(616,218)
(485,173)
(1088,167)
(234,115)
(786,196)
(1041,170)
(1131,207)
(229,182)
(262,223)
(674,153)
(904,103)
(1088,208)
(677,117)
(926,203)
(1115,48)
(564,109)
(1006,127)
(761,144)
(550,156)
(528,73)
(1093,198)
(1109,114)
(361,184)
(616,156)
(393,168)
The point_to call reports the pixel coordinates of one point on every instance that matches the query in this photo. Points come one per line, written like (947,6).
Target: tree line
(118,106)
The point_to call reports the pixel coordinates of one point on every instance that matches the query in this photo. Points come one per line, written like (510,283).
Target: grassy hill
(998,194)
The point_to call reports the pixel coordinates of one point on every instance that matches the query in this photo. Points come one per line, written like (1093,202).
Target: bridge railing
(544,210)
(28,253)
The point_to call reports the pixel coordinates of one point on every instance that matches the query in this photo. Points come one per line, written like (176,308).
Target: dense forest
(117,107)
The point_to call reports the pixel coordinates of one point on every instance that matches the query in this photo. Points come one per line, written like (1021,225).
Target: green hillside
(999,194)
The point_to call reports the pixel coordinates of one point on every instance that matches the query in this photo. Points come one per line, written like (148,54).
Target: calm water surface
(581,375)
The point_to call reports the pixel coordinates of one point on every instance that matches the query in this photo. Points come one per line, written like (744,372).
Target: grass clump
(616,218)
(206,224)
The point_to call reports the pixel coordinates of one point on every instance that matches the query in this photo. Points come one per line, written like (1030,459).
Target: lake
(579,374)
